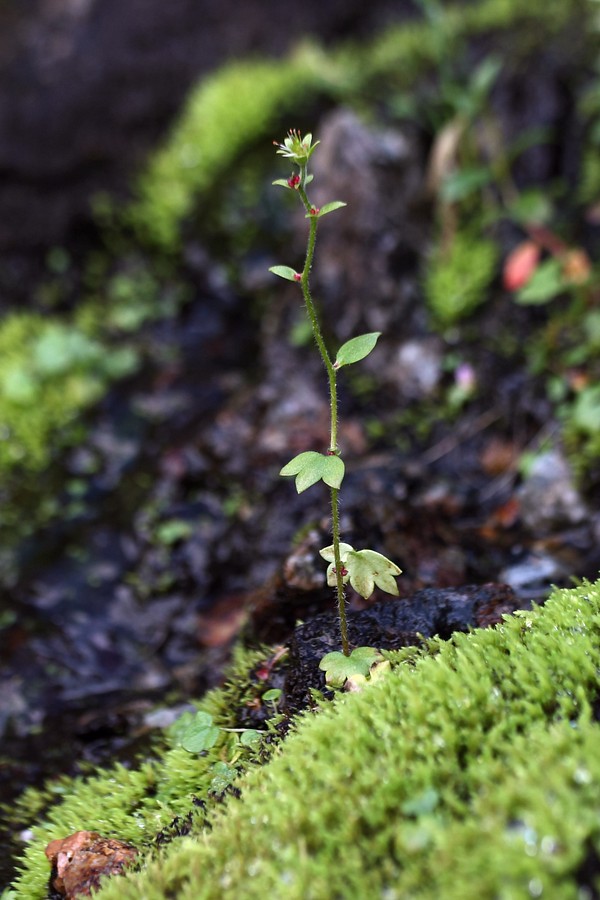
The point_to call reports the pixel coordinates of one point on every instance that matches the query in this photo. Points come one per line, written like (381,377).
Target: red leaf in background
(520,265)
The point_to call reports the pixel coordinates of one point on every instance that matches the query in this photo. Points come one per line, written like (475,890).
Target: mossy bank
(470,770)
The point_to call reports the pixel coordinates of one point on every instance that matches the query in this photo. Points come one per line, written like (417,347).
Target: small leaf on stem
(285,272)
(323,210)
(356,349)
(364,569)
(310,467)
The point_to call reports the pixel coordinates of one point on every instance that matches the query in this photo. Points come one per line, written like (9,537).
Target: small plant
(364,569)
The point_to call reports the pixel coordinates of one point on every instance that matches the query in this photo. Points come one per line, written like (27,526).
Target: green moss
(228,110)
(471,770)
(457,278)
(49,372)
(133,803)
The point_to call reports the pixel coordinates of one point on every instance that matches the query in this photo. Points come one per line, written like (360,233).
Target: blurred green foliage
(50,371)
(457,279)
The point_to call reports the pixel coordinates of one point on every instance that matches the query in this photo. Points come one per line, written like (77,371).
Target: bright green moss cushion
(473,771)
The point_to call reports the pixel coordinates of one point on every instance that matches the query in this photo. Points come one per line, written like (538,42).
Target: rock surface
(390,625)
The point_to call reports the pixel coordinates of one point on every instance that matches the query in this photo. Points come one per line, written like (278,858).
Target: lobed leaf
(368,569)
(310,467)
(356,349)
(338,667)
(328,554)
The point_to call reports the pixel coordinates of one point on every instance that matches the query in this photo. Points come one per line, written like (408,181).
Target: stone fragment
(81,859)
(548,497)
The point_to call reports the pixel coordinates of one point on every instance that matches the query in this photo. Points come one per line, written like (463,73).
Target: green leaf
(285,272)
(283,182)
(173,531)
(328,554)
(200,734)
(338,667)
(310,467)
(485,75)
(224,776)
(356,349)
(250,738)
(333,471)
(330,207)
(458,185)
(368,569)
(532,206)
(368,655)
(272,695)
(545,284)
(586,410)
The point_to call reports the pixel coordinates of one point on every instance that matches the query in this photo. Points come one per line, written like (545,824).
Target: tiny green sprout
(364,570)
(272,696)
(196,733)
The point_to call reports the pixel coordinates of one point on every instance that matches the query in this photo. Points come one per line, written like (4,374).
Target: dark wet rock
(391,625)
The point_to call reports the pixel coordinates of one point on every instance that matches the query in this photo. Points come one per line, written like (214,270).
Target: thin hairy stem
(333,409)
(339,575)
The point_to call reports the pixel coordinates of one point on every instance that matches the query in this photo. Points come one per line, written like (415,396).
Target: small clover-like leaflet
(200,734)
(310,467)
